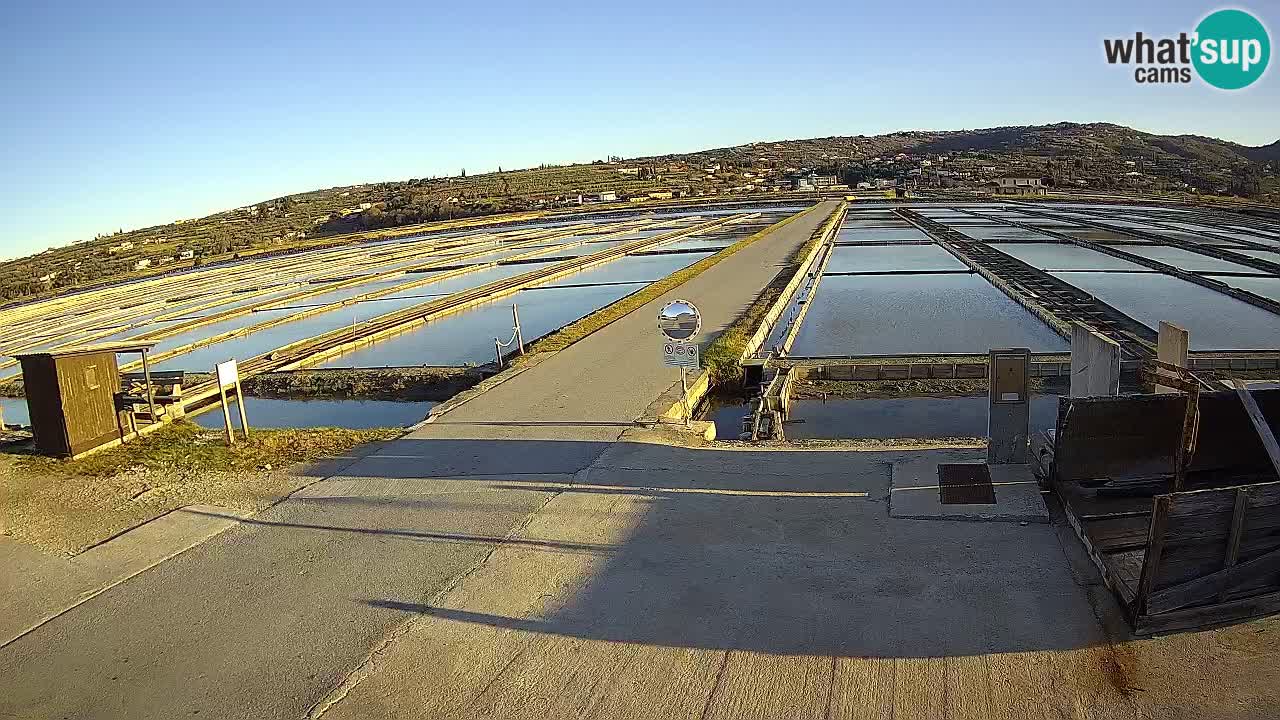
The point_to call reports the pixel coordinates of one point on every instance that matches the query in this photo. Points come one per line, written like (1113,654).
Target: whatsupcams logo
(1229,50)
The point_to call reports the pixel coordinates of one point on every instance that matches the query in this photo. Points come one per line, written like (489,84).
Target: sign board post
(679,321)
(229,381)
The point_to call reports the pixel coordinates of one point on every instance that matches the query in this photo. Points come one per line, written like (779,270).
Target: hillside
(1096,156)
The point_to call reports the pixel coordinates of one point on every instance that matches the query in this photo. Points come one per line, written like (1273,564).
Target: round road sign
(679,320)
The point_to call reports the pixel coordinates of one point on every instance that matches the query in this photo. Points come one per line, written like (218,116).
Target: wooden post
(1187,442)
(1155,548)
(226,415)
(1235,536)
(244,420)
(1172,347)
(497,350)
(151,393)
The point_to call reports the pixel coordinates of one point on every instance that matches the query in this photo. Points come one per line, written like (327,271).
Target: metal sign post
(228,375)
(684,399)
(679,321)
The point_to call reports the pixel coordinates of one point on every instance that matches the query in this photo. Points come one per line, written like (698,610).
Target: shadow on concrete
(738,568)
(463,538)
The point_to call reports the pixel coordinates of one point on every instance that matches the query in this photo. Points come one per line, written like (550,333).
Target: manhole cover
(965,484)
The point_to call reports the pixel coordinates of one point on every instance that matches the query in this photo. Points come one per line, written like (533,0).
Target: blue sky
(122,115)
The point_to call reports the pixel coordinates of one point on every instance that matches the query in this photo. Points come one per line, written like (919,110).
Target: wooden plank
(1188,593)
(1187,442)
(1187,562)
(1192,618)
(1132,436)
(1125,569)
(1260,424)
(1121,533)
(1155,547)
(1210,528)
(1222,500)
(1097,557)
(1237,532)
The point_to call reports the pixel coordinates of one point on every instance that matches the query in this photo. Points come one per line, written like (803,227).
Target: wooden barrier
(1176,560)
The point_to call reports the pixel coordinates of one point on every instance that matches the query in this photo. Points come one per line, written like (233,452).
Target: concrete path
(37,586)
(707,583)
(267,618)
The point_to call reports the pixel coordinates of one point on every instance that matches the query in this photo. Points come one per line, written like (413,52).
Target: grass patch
(187,447)
(583,327)
(400,384)
(66,506)
(721,359)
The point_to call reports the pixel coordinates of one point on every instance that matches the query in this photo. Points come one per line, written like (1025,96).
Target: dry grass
(66,506)
(917,387)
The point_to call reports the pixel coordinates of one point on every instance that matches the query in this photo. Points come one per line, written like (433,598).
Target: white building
(1020,186)
(142,264)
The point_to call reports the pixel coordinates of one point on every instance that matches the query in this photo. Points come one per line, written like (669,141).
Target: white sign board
(679,320)
(228,373)
(680,354)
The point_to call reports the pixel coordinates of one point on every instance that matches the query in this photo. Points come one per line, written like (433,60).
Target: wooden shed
(71,396)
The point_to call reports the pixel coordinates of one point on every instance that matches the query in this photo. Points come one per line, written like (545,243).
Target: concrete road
(704,583)
(267,618)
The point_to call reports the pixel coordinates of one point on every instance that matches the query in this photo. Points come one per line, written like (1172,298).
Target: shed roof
(114,347)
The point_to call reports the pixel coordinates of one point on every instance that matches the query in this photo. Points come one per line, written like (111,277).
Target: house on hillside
(1020,186)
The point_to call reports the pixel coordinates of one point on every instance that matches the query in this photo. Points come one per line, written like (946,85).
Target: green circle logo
(1232,49)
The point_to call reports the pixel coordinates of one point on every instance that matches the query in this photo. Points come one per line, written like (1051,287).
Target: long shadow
(779,551)
(594,548)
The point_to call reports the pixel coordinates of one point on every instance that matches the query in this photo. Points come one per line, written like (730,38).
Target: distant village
(852,166)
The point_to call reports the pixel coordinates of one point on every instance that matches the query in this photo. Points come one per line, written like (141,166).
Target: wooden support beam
(1259,423)
(1236,534)
(1155,548)
(1202,588)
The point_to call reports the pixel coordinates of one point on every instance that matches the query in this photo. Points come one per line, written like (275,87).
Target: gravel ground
(69,514)
(66,507)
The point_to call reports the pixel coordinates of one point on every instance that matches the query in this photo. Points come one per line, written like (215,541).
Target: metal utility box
(1009,411)
(71,396)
